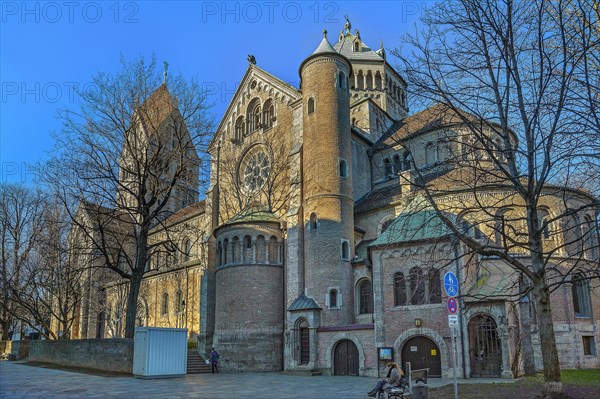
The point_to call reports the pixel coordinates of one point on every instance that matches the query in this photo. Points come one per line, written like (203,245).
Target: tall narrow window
(187,249)
(417,286)
(311,105)
(399,289)
(366,297)
(435,286)
(581,296)
(179,301)
(387,167)
(235,249)
(345,250)
(313,221)
(343,169)
(397,163)
(164,308)
(341,80)
(333,302)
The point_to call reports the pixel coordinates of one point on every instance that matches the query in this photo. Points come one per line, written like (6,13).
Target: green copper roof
(303,303)
(418,221)
(256,214)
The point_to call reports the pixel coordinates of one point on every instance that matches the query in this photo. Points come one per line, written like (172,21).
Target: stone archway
(345,358)
(423,353)
(485,347)
(339,337)
(444,353)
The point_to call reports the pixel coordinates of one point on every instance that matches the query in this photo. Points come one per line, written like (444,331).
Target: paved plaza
(21,381)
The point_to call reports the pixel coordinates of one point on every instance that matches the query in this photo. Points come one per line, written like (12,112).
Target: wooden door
(422,353)
(304,345)
(345,358)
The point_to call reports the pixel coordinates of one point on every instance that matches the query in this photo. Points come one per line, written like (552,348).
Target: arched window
(273,258)
(581,296)
(261,249)
(407,159)
(219,254)
(417,286)
(387,167)
(385,225)
(544,217)
(369,80)
(365,291)
(345,250)
(356,47)
(164,306)
(378,85)
(268,114)
(235,249)
(313,221)
(239,128)
(226,251)
(500,226)
(590,236)
(187,249)
(361,80)
(435,286)
(311,105)
(341,80)
(254,115)
(333,299)
(431,154)
(179,302)
(399,289)
(343,169)
(397,163)
(247,248)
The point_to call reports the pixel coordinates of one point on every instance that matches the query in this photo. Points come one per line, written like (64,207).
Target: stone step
(196,364)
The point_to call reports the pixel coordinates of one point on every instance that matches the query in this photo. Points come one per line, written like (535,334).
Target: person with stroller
(393,378)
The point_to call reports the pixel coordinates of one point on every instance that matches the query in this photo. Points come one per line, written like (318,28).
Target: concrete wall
(101,354)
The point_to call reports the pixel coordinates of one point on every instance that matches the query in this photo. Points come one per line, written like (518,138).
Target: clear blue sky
(48,48)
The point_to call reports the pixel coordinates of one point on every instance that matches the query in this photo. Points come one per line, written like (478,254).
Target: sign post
(451,288)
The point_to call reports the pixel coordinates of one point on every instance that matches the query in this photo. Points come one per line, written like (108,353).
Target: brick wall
(101,354)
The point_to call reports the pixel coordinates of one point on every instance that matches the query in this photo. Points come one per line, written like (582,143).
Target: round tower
(248,292)
(327,183)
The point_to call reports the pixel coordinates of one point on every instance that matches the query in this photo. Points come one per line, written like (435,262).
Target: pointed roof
(324,46)
(303,303)
(157,108)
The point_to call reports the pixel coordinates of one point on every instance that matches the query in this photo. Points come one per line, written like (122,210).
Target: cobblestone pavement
(21,381)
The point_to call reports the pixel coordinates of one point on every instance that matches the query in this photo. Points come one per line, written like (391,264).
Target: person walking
(214,360)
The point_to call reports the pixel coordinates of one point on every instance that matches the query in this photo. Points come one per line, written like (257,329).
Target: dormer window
(356,47)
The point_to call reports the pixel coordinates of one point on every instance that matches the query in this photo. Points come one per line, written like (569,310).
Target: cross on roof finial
(347,25)
(165,67)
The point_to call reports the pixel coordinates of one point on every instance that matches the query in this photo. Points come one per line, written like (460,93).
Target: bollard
(420,391)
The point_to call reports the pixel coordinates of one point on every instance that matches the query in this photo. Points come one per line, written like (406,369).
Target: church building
(315,249)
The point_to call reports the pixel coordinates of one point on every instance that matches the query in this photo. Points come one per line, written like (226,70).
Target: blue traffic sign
(451,284)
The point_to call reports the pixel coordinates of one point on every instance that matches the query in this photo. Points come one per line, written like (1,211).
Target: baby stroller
(395,391)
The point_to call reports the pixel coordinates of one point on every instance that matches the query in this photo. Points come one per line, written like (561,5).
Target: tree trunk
(132,299)
(553,384)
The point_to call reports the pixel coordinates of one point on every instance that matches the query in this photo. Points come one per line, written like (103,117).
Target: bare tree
(130,155)
(521,80)
(20,227)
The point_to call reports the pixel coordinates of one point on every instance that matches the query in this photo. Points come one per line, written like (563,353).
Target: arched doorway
(422,353)
(485,351)
(345,358)
(304,341)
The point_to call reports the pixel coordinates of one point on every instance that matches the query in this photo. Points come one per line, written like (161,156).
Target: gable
(255,81)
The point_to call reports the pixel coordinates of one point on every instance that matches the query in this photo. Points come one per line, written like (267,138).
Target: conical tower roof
(324,46)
